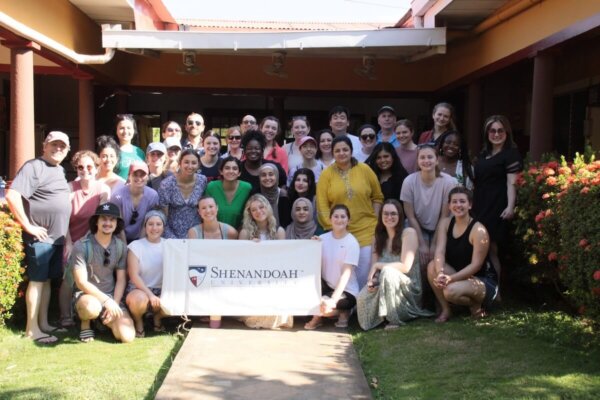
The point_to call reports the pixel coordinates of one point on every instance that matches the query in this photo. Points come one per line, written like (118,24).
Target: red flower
(585,190)
(552,164)
(552,256)
(549,172)
(583,243)
(540,216)
(551,181)
(539,179)
(546,196)
(532,171)
(597,275)
(564,170)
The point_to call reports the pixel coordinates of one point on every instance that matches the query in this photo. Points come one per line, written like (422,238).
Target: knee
(137,301)
(451,293)
(88,307)
(124,330)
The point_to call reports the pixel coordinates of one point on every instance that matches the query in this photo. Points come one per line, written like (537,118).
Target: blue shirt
(394,142)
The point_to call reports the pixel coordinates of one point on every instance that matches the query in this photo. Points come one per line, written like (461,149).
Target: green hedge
(11,256)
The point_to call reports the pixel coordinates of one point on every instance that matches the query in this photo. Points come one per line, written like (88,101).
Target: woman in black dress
(384,161)
(495,174)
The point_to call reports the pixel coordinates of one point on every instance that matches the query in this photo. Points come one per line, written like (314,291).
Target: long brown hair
(381,235)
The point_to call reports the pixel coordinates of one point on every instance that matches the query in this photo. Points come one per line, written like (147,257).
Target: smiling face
(427,159)
(86,169)
(258,211)
(384,160)
(367,138)
(230,171)
(299,128)
(339,220)
(308,150)
(253,151)
(386,120)
(172,130)
(390,216)
(189,165)
(55,151)
(173,153)
(138,179)
(248,123)
(459,204)
(268,178)
(404,135)
(302,211)
(441,117)
(155,160)
(497,134)
(301,183)
(451,146)
(212,145)
(154,228)
(269,129)
(194,125)
(325,142)
(107,224)
(125,131)
(339,123)
(108,159)
(234,139)
(342,153)
(207,208)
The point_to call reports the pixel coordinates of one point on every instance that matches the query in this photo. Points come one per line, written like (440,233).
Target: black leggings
(347,302)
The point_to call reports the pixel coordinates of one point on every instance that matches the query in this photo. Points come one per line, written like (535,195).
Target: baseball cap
(109,209)
(386,108)
(305,139)
(57,135)
(156,146)
(138,166)
(172,142)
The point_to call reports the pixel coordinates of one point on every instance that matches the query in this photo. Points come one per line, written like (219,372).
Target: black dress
(490,197)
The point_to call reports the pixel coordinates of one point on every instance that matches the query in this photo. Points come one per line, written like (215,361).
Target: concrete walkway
(239,363)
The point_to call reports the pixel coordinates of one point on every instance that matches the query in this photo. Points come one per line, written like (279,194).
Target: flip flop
(311,327)
(442,318)
(57,329)
(86,335)
(140,334)
(45,340)
(343,323)
(66,322)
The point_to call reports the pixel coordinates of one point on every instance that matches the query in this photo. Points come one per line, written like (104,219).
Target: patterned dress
(182,213)
(398,298)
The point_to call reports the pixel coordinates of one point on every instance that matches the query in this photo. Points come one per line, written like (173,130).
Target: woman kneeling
(461,272)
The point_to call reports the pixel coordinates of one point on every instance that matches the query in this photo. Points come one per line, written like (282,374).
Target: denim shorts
(44,260)
(491,291)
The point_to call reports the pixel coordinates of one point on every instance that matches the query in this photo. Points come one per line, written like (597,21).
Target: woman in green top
(230,193)
(126,130)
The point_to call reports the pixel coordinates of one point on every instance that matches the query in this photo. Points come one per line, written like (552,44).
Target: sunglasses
(368,136)
(106,257)
(197,123)
(249,122)
(134,217)
(84,167)
(235,137)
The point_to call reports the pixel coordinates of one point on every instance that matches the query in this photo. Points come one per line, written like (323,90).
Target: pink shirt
(83,206)
(280,157)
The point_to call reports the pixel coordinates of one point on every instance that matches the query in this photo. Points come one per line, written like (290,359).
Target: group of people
(388,210)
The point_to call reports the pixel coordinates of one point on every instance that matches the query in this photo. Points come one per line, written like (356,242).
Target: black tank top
(459,252)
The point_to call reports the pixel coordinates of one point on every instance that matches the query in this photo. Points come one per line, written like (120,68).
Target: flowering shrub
(11,255)
(558,224)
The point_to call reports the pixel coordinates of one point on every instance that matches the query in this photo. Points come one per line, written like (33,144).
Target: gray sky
(384,11)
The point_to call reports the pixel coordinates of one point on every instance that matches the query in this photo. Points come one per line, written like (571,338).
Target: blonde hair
(249,224)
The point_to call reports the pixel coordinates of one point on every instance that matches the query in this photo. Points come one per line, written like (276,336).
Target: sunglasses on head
(197,123)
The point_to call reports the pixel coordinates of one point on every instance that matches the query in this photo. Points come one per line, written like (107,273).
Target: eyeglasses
(235,137)
(390,214)
(197,123)
(368,136)
(106,257)
(249,122)
(84,167)
(499,131)
(134,217)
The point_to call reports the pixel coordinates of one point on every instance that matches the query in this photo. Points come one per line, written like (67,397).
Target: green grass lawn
(510,355)
(103,369)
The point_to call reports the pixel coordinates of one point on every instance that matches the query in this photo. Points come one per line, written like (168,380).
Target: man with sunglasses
(194,126)
(386,118)
(248,124)
(39,199)
(99,272)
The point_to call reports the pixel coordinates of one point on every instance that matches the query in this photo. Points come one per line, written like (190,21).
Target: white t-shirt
(294,155)
(150,256)
(336,253)
(427,200)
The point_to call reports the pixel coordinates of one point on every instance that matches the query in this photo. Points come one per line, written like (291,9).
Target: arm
(439,258)
(376,193)
(414,223)
(244,235)
(511,194)
(481,242)
(322,201)
(191,235)
(339,289)
(280,235)
(15,203)
(232,233)
(133,269)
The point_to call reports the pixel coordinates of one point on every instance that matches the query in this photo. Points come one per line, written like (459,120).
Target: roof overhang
(392,43)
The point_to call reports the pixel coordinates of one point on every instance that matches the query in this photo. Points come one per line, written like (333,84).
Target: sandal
(478,314)
(44,340)
(341,323)
(159,328)
(311,326)
(390,327)
(86,335)
(140,334)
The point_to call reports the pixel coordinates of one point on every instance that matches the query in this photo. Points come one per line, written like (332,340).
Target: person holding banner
(260,224)
(339,260)
(393,291)
(145,270)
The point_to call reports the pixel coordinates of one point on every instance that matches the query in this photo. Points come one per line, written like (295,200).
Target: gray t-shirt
(45,193)
(100,275)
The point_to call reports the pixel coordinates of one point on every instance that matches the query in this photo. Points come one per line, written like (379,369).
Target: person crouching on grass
(94,259)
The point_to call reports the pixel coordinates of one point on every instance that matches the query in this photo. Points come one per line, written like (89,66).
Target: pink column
(22,117)
(541,129)
(473,117)
(87,135)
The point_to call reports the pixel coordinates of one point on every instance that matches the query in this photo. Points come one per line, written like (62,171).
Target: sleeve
(140,153)
(77,258)
(164,198)
(353,251)
(122,263)
(322,201)
(210,189)
(282,158)
(26,181)
(406,193)
(513,162)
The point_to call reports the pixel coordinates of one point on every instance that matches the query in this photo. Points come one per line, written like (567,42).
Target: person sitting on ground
(99,271)
(461,272)
(393,291)
(211,228)
(308,149)
(145,270)
(339,260)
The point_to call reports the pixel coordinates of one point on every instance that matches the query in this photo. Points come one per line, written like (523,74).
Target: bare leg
(44,305)
(470,293)
(87,308)
(137,301)
(33,300)
(493,253)
(123,328)
(438,292)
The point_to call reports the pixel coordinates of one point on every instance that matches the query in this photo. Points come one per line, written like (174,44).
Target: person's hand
(441,281)
(37,232)
(370,287)
(508,213)
(154,302)
(112,311)
(424,256)
(315,237)
(327,305)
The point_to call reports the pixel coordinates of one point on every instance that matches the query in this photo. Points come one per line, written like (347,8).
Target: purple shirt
(122,198)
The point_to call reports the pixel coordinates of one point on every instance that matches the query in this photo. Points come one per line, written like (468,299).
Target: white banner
(241,277)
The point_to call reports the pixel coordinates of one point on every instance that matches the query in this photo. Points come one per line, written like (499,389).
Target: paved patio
(239,363)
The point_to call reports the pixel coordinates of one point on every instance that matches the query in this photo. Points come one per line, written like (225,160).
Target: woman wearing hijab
(303,224)
(268,175)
